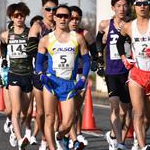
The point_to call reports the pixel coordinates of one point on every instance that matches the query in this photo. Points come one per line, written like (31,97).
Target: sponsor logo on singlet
(65,49)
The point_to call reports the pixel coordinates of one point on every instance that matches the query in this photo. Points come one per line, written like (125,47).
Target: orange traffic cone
(88,122)
(130,131)
(2,105)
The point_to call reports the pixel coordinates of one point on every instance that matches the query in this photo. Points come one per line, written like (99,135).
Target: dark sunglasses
(18,14)
(50,9)
(140,3)
(75,18)
(66,16)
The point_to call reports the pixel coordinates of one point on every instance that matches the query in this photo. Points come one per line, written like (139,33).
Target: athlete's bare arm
(102,36)
(82,44)
(103,28)
(43,44)
(4,36)
(34,30)
(126,31)
(88,37)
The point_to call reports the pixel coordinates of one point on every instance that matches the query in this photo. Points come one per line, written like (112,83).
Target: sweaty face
(18,18)
(74,21)
(142,7)
(62,18)
(49,10)
(120,9)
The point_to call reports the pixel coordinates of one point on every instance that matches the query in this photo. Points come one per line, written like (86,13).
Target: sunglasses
(48,9)
(66,16)
(18,14)
(140,3)
(75,18)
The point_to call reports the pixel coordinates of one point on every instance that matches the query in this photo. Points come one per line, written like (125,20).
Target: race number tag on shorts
(17,50)
(63,64)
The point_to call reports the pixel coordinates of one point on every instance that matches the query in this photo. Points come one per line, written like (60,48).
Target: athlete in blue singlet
(59,80)
(115,74)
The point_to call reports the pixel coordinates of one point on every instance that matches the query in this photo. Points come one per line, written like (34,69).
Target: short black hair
(64,6)
(113,2)
(45,1)
(76,9)
(21,7)
(35,18)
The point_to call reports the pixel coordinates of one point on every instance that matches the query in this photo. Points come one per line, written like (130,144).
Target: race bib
(114,55)
(63,64)
(17,50)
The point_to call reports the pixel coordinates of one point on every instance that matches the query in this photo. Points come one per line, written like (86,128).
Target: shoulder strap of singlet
(44,29)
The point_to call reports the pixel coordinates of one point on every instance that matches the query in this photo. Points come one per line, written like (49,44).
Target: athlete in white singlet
(139,75)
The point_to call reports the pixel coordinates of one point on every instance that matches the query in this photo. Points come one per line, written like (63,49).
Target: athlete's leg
(77,119)
(15,92)
(147,113)
(137,98)
(40,108)
(7,103)
(33,140)
(115,117)
(8,110)
(50,104)
(125,116)
(75,132)
(36,127)
(18,104)
(28,118)
(68,111)
(57,119)
(79,101)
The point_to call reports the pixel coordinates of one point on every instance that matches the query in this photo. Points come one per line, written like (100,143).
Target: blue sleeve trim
(40,59)
(86,64)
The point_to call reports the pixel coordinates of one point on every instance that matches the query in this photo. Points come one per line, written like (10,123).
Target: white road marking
(93,133)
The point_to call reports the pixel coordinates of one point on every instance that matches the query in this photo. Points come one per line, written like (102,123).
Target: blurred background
(93,11)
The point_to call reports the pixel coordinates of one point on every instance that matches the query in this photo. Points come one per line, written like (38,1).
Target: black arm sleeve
(32,46)
(120,44)
(93,50)
(99,44)
(3,49)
